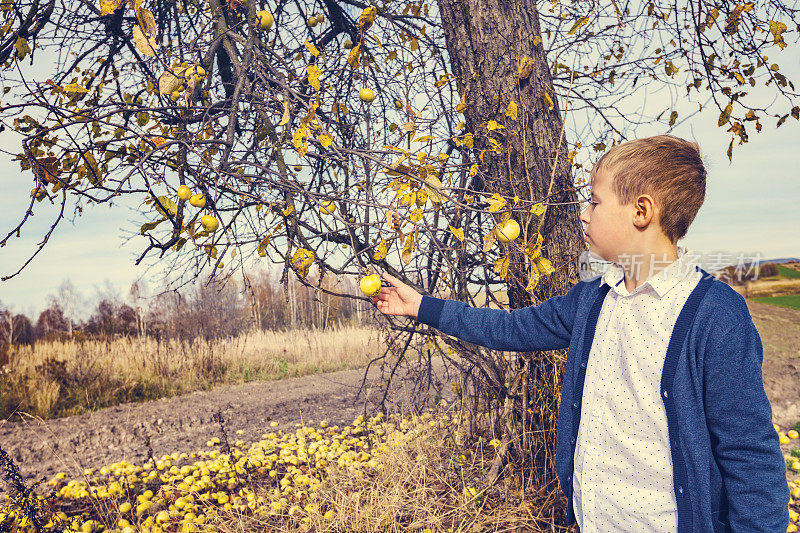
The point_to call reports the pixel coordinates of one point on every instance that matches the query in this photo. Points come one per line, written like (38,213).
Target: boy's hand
(399,300)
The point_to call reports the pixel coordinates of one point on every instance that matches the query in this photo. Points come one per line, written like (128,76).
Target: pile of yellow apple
(274,480)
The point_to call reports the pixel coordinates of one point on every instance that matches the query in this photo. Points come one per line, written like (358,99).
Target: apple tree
(444,142)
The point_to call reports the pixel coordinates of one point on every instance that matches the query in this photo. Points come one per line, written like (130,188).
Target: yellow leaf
(109,6)
(548,100)
(488,241)
(525,67)
(458,232)
(433,186)
(288,211)
(725,116)
(538,209)
(501,265)
(168,82)
(326,139)
(534,279)
(578,24)
(147,21)
(496,202)
(73,89)
(285,118)
(383,249)
(473,170)
(545,266)
(352,57)
(312,49)
(511,110)
(777,29)
(409,247)
(146,45)
(416,214)
(262,246)
(313,76)
(302,261)
(673,117)
(517,199)
(493,125)
(366,18)
(467,140)
(462,106)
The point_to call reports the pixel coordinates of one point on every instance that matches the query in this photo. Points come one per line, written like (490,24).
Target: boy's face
(608,224)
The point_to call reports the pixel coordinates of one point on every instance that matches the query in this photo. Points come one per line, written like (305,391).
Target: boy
(664,424)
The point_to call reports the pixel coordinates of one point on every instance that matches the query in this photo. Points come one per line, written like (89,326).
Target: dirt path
(779,328)
(185,423)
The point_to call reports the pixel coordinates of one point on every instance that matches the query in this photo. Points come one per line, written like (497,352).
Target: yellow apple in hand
(507,231)
(198,200)
(366,94)
(370,285)
(184,192)
(209,223)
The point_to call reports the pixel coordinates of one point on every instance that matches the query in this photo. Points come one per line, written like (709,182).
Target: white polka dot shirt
(622,479)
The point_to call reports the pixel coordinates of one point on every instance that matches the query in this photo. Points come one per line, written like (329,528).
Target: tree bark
(486,39)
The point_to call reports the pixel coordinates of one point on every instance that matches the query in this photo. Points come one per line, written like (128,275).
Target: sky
(751,210)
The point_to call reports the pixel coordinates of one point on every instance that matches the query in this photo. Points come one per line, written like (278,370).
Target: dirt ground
(779,328)
(185,423)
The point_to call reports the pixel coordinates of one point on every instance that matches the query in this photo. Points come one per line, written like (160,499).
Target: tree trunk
(486,39)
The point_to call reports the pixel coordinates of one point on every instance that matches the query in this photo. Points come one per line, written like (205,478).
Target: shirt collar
(661,282)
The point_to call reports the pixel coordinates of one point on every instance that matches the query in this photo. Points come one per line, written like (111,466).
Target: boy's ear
(645,208)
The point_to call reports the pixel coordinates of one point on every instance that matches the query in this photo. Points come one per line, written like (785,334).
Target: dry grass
(54,379)
(428,481)
(767,288)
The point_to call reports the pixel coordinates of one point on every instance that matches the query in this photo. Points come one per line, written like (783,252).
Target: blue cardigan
(728,470)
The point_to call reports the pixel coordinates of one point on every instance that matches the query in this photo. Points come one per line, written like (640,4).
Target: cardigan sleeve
(743,440)
(547,326)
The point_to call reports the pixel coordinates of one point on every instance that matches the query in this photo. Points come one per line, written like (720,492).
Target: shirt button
(572,440)
(575,405)
(680,489)
(665,394)
(583,365)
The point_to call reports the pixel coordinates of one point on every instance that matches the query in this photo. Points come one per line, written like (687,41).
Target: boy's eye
(593,203)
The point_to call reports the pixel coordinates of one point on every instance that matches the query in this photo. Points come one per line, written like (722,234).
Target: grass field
(788,273)
(792,301)
(54,379)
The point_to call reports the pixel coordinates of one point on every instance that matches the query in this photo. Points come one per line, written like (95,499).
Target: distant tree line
(739,275)
(207,310)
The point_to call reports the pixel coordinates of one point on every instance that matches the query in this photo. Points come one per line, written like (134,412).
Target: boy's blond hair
(668,168)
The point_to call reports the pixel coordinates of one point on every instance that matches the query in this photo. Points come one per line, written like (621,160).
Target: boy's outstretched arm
(547,326)
(743,440)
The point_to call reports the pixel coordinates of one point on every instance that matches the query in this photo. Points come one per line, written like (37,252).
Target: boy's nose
(584,217)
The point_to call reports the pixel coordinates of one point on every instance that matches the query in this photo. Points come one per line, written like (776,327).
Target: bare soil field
(185,423)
